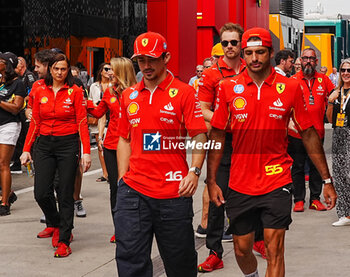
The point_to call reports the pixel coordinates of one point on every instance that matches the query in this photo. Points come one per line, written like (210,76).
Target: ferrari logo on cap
(319,80)
(280,87)
(144,42)
(70,91)
(173,92)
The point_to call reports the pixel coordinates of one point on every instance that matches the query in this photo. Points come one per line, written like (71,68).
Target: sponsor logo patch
(44,100)
(169,107)
(144,42)
(280,87)
(134,94)
(173,92)
(239,103)
(133,108)
(238,89)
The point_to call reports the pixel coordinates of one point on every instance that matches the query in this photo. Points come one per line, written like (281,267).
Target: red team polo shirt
(152,120)
(62,115)
(36,84)
(211,77)
(259,119)
(321,86)
(109,101)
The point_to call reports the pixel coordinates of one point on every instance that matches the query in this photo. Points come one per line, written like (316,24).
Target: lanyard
(310,89)
(343,100)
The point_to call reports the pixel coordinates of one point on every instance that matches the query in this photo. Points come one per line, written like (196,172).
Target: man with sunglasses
(257,104)
(228,65)
(316,89)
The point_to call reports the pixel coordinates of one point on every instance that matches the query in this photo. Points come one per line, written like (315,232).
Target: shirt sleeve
(329,85)
(34,125)
(206,87)
(100,110)
(300,115)
(20,89)
(192,113)
(123,125)
(221,111)
(80,114)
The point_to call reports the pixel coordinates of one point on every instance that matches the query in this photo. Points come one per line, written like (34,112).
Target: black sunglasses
(107,69)
(342,70)
(226,42)
(305,58)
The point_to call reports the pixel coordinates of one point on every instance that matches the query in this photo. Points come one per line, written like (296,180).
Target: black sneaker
(4,210)
(201,232)
(12,198)
(16,169)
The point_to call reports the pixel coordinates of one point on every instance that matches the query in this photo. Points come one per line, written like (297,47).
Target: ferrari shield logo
(144,42)
(173,92)
(280,87)
(70,91)
(319,80)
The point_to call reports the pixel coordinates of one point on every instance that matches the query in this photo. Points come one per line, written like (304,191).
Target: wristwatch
(195,170)
(327,181)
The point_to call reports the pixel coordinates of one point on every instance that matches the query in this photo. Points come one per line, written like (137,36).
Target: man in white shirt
(284,62)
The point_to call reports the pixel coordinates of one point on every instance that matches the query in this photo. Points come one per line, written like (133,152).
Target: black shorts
(271,210)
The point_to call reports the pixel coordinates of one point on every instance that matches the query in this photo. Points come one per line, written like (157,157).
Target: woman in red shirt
(123,77)
(58,120)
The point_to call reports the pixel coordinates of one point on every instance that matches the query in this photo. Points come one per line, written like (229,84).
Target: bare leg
(274,243)
(6,152)
(205,207)
(102,160)
(244,253)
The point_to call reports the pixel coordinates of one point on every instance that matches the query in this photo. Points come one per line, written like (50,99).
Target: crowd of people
(237,99)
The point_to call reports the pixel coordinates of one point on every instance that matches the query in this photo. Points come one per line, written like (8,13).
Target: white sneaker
(343,221)
(79,209)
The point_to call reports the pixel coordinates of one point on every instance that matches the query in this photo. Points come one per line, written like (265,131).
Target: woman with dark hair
(59,119)
(103,78)
(338,113)
(12,93)
(123,77)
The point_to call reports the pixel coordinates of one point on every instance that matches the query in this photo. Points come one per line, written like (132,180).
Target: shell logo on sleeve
(133,108)
(239,103)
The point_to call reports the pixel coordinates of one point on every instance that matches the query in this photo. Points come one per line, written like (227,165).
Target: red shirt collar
(163,85)
(269,80)
(222,64)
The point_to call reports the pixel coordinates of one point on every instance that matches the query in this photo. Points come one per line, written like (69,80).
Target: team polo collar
(163,85)
(65,86)
(222,64)
(269,80)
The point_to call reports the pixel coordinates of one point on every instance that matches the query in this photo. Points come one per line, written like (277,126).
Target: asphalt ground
(313,246)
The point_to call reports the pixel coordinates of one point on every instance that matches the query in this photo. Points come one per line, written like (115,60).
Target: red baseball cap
(150,44)
(261,33)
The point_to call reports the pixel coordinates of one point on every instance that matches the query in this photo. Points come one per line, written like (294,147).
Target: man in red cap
(156,188)
(257,106)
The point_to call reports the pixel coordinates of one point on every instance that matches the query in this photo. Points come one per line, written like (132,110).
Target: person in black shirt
(338,113)
(12,93)
(28,78)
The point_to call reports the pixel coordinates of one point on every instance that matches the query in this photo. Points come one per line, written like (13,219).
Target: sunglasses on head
(226,42)
(107,69)
(343,70)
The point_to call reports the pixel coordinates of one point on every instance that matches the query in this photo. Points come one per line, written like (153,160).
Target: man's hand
(215,194)
(291,126)
(86,162)
(330,196)
(188,185)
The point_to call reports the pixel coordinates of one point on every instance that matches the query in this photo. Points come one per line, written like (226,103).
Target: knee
(242,251)
(274,253)
(4,165)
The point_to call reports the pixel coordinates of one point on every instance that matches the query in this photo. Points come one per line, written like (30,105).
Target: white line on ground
(92,172)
